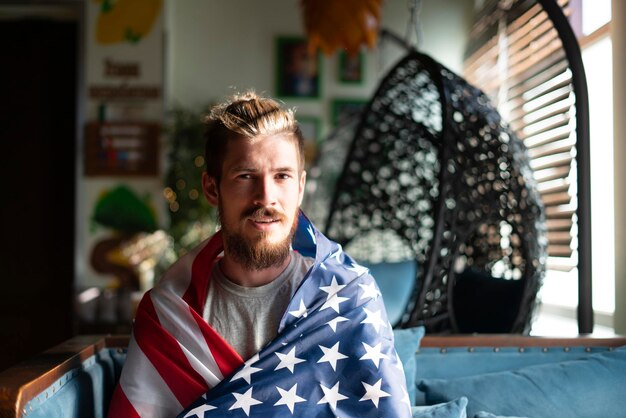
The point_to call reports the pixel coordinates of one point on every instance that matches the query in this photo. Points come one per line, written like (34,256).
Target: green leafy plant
(122,210)
(192,219)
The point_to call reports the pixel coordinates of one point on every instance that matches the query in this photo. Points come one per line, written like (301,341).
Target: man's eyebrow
(242,168)
(247,169)
(283,169)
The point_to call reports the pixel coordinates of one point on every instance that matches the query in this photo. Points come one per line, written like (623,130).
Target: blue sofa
(448,376)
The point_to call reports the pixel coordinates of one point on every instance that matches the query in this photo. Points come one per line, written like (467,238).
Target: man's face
(258,198)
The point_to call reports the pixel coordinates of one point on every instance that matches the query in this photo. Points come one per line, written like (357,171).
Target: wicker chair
(432,173)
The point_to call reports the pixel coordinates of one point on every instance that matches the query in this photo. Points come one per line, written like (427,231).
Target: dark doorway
(38,86)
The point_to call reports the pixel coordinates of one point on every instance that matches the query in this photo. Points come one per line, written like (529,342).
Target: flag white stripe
(178,276)
(150,396)
(175,318)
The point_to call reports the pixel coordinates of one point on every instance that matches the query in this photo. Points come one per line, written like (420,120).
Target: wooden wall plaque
(122,149)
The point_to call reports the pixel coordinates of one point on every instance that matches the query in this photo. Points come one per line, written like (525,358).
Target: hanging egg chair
(432,173)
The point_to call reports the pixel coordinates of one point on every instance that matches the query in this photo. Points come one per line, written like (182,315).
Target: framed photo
(297,70)
(351,67)
(344,108)
(310,126)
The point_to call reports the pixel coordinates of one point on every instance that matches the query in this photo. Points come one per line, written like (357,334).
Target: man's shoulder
(178,275)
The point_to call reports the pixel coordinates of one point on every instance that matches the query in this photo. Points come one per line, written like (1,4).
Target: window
(516,57)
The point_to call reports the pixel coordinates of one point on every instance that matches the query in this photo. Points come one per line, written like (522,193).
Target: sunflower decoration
(345,24)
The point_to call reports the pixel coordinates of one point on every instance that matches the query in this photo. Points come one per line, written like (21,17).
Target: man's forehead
(238,148)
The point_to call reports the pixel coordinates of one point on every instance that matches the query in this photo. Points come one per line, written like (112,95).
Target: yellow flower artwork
(126,20)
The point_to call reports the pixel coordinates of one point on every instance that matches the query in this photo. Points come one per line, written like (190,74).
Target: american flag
(333,355)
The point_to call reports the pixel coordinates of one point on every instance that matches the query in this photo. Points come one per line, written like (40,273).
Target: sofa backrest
(462,356)
(466,356)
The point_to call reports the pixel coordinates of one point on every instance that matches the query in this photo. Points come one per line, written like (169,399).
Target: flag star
(200,410)
(333,288)
(288,360)
(369,291)
(289,397)
(358,269)
(333,322)
(374,354)
(374,392)
(337,253)
(247,370)
(331,355)
(331,396)
(373,318)
(322,265)
(244,401)
(333,302)
(312,233)
(301,311)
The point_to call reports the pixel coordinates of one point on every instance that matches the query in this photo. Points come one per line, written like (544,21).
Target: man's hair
(247,116)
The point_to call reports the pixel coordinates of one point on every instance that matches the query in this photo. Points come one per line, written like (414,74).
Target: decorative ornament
(345,24)
(134,246)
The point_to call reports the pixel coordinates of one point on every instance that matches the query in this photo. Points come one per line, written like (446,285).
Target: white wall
(618,34)
(215,48)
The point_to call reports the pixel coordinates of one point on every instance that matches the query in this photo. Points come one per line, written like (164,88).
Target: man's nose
(265,192)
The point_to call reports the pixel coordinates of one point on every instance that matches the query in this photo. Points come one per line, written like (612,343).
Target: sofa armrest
(508,340)
(26,380)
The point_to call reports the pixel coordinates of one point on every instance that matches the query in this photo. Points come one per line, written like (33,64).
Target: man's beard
(256,253)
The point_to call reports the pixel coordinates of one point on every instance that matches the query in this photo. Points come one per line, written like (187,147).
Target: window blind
(515,56)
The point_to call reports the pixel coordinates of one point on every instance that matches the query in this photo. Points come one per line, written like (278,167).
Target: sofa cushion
(396,282)
(452,409)
(407,342)
(485,414)
(589,387)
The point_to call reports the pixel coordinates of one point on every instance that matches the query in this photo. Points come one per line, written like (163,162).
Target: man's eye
(283,176)
(245,176)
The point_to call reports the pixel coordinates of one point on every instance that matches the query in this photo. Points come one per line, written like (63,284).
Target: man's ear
(210,189)
(301,186)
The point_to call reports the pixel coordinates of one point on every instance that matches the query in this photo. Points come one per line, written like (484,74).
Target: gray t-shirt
(248,317)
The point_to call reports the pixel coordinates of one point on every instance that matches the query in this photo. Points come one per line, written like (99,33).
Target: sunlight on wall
(598,66)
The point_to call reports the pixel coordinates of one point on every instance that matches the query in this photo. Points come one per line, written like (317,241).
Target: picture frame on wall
(310,127)
(350,67)
(345,108)
(298,71)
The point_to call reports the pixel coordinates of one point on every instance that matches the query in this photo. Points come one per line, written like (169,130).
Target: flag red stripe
(227,359)
(195,296)
(120,406)
(166,356)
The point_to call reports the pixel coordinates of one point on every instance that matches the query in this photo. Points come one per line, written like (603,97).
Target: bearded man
(268,317)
